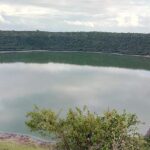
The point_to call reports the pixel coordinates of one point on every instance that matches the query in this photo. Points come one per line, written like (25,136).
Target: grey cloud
(76,15)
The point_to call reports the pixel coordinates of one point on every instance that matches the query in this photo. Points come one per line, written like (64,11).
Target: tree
(147,138)
(85,130)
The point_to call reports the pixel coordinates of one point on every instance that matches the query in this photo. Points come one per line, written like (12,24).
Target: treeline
(124,43)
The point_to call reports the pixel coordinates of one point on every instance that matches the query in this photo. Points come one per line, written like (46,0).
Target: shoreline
(24,139)
(57,51)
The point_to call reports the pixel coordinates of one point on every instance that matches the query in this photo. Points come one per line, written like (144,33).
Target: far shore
(57,51)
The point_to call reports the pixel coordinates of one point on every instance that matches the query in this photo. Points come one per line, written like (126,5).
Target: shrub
(85,130)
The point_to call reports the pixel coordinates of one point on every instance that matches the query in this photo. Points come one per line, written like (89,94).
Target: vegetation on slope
(125,43)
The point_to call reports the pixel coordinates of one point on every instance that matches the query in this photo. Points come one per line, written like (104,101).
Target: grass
(81,58)
(4,145)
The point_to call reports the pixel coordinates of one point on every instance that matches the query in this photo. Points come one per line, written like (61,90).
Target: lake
(61,86)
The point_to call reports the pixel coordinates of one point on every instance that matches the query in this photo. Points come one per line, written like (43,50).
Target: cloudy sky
(76,15)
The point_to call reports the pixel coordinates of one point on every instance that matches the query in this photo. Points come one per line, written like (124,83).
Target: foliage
(84,130)
(147,145)
(124,43)
(147,139)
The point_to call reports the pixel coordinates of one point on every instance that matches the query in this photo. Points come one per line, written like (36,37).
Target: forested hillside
(124,43)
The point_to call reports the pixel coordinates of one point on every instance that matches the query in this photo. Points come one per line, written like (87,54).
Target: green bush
(147,139)
(84,130)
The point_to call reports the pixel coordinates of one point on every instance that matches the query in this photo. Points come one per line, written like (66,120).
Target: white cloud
(2,20)
(81,23)
(76,15)
(128,20)
(26,11)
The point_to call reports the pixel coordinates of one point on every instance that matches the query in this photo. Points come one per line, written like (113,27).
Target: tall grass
(5,145)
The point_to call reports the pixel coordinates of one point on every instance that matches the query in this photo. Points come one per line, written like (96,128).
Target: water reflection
(60,86)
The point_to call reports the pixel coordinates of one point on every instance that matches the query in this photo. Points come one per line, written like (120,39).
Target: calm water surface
(60,86)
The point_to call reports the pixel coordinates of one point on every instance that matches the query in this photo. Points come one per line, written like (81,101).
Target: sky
(76,15)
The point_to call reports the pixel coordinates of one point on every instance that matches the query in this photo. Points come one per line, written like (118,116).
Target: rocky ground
(24,139)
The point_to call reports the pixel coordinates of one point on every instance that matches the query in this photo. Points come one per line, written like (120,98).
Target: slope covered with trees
(124,43)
